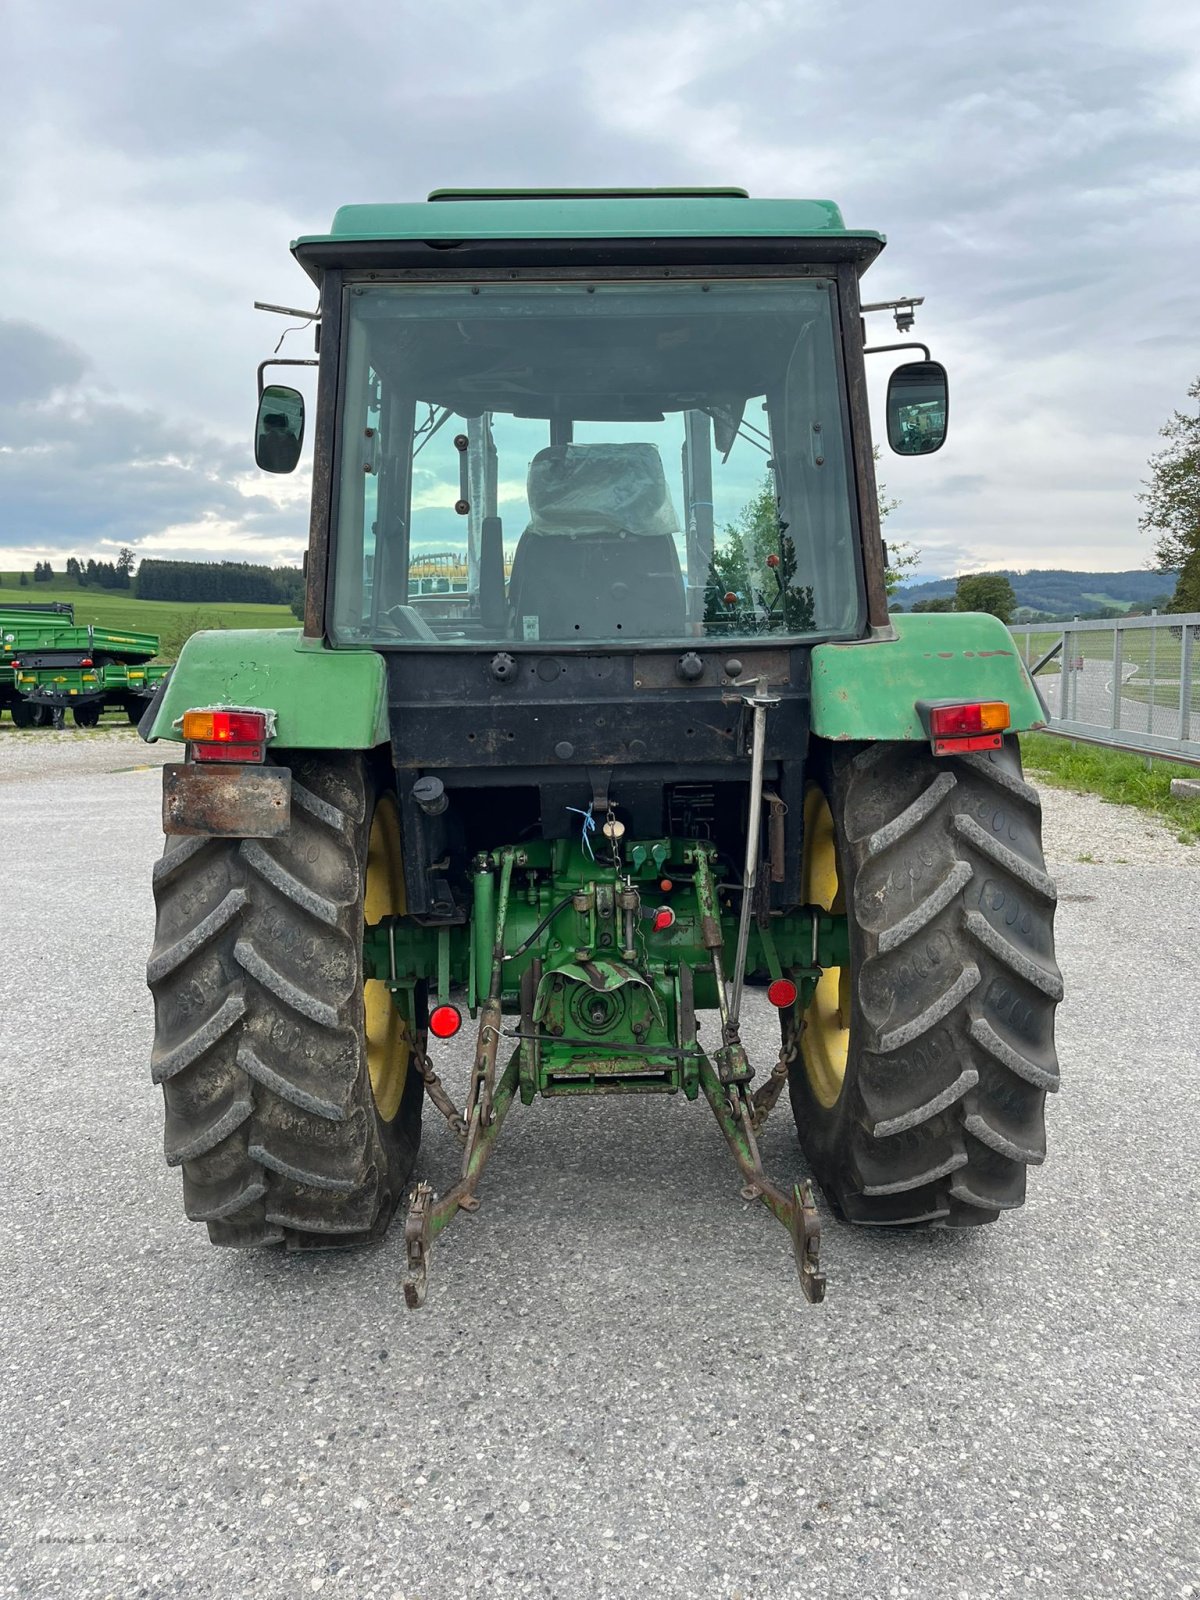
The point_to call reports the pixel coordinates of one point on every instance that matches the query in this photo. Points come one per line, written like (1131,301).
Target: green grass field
(115,608)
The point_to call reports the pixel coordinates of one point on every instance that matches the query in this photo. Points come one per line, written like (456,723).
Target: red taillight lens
(225,727)
(226,735)
(782,993)
(976,716)
(445,1021)
(87,662)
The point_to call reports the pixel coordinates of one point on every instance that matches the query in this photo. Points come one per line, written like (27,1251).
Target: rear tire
(951,990)
(259,1044)
(27,715)
(87,716)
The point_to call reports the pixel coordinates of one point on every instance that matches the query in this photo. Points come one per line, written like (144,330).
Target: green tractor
(597,719)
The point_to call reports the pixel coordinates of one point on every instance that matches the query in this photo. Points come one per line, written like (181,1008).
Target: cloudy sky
(1035,167)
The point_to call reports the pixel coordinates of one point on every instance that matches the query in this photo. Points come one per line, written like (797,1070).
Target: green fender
(869,689)
(322,699)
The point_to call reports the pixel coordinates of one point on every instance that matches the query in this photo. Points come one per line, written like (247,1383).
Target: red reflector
(445,1021)
(229,752)
(782,993)
(956,747)
(664,918)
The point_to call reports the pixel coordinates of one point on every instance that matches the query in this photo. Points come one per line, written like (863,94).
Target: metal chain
(435,1091)
(767,1094)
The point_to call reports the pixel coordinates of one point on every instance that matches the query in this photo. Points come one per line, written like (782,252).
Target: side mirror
(918,408)
(279,430)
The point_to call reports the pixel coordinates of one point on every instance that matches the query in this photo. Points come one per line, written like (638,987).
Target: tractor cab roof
(457,228)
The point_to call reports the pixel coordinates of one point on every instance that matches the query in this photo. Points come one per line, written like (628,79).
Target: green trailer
(53,666)
(87,689)
(657,755)
(39,619)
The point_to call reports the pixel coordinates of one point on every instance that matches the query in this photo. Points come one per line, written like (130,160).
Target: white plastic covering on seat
(577,489)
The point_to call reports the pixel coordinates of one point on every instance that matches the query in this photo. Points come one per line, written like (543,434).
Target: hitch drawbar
(596,991)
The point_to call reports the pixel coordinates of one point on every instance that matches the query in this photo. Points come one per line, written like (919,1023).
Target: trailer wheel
(922,1071)
(87,716)
(290,1106)
(27,715)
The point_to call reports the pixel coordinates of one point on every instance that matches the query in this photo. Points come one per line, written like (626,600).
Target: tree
(125,565)
(24,583)
(754,558)
(986,591)
(1172,504)
(943,602)
(900,558)
(73,568)
(1187,589)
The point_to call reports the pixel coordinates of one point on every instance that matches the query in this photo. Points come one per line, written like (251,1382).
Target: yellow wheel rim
(825,1037)
(389,1045)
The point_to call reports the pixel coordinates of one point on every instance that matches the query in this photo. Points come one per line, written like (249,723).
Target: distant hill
(1054,592)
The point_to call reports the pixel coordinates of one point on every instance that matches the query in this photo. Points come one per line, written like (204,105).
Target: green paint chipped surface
(870,690)
(323,699)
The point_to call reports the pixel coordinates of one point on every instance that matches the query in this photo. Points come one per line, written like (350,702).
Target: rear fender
(869,689)
(322,699)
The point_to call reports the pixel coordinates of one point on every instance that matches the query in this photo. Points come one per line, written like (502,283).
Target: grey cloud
(35,363)
(1033,166)
(79,468)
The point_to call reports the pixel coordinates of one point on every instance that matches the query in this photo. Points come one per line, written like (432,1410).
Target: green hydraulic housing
(604,960)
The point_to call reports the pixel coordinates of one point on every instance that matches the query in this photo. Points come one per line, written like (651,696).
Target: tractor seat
(598,559)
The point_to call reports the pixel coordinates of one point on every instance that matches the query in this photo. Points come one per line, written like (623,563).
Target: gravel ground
(74,752)
(1083,827)
(616,1388)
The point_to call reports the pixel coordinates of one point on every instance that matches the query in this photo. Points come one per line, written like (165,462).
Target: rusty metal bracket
(734,1110)
(226,802)
(416,1244)
(427,1216)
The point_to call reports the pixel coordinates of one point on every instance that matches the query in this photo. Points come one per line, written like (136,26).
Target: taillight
(221,735)
(782,993)
(965,725)
(445,1021)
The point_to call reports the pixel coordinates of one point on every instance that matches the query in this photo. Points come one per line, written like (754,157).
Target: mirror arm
(875,349)
(282,361)
(288,311)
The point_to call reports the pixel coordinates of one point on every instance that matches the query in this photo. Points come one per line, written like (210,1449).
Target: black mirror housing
(279,428)
(918,408)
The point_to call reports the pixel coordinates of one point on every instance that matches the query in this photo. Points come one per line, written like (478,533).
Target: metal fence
(1133,684)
